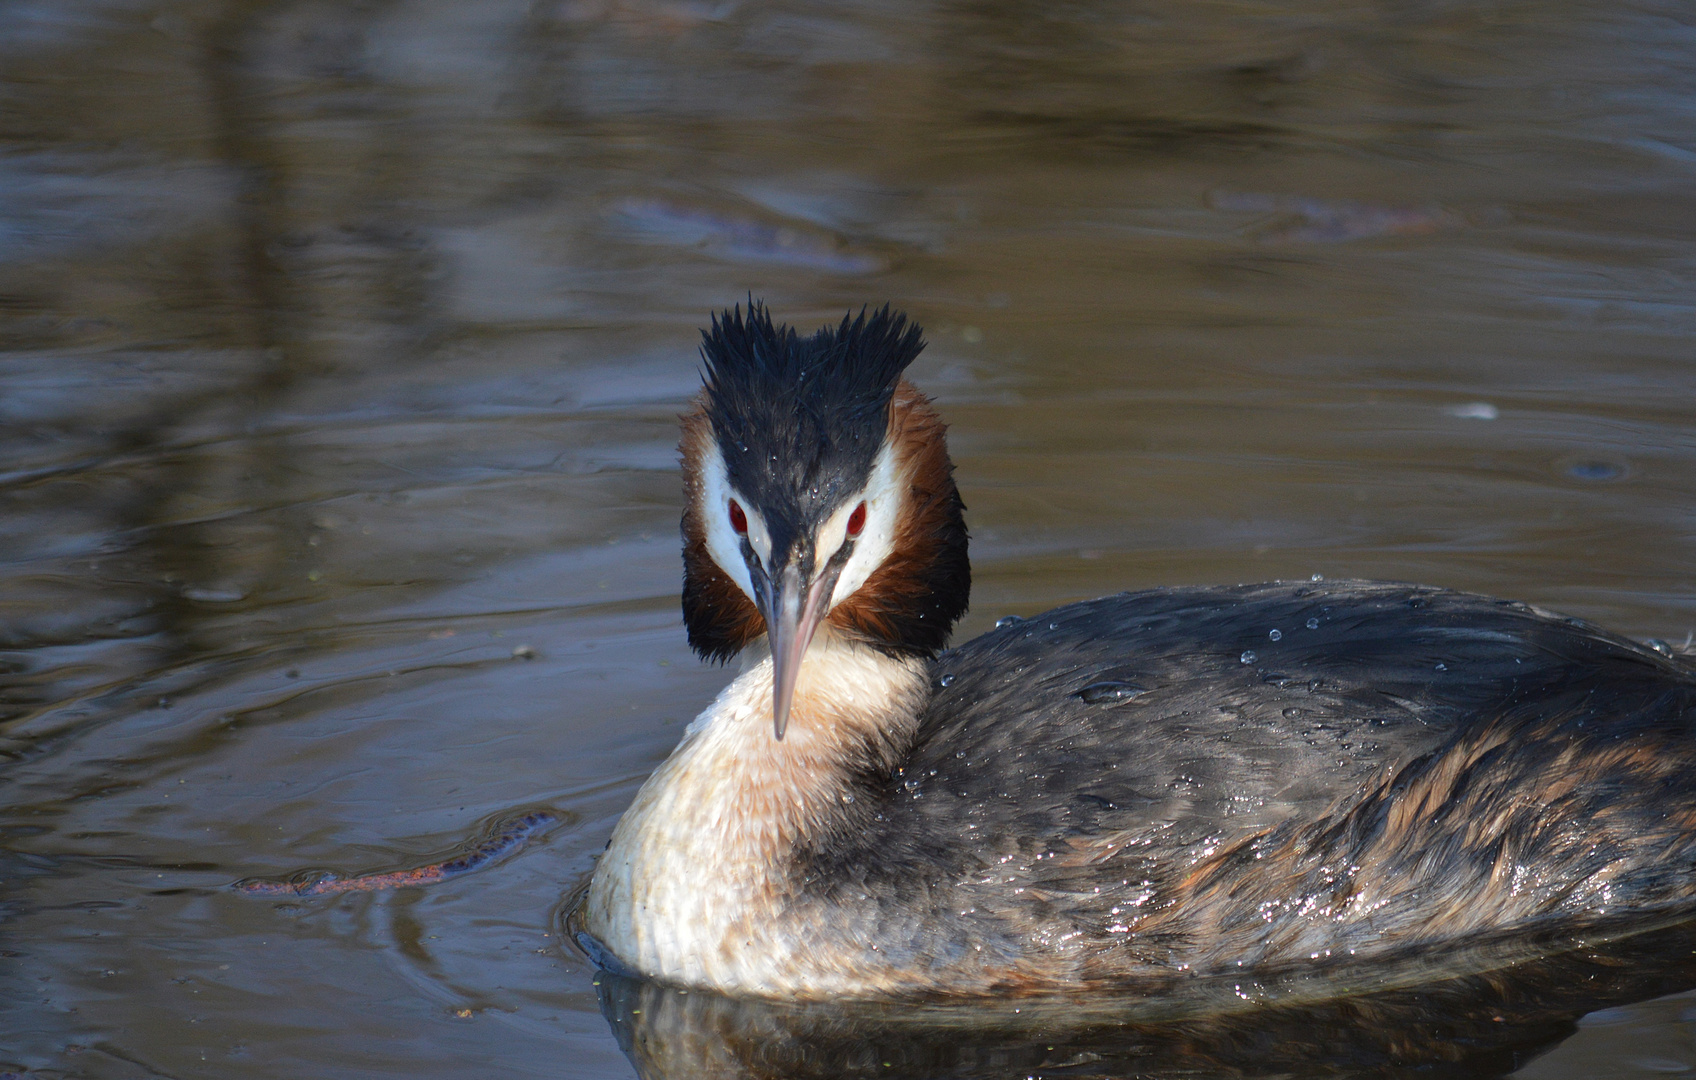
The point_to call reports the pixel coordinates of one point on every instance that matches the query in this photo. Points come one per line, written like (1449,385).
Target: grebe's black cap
(800,420)
(798,424)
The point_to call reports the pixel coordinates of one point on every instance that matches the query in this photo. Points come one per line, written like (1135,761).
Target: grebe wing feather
(1216,774)
(1203,726)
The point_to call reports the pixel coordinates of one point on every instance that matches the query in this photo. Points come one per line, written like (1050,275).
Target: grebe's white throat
(694,887)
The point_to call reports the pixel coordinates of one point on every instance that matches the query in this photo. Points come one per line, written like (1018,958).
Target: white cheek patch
(883,505)
(724,544)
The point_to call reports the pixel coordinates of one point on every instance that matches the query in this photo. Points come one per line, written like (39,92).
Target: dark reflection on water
(1411,1021)
(341,345)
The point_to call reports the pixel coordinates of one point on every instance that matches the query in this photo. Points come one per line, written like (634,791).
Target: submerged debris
(505,839)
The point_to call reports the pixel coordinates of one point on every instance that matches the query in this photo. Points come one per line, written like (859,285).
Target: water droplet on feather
(1109,691)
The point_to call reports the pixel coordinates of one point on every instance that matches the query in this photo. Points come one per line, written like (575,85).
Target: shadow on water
(1410,1020)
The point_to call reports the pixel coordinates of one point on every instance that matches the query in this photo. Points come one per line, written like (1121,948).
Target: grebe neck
(697,885)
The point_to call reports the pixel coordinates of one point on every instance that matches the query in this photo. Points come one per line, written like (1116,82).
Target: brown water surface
(340,350)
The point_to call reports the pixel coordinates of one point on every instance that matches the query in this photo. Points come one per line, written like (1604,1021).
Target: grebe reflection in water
(1190,780)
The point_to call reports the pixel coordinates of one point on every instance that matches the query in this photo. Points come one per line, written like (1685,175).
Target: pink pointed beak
(796,610)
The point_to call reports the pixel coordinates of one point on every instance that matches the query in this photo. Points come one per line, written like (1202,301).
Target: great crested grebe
(1181,780)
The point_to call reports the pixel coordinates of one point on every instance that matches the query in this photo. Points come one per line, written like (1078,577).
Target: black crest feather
(800,419)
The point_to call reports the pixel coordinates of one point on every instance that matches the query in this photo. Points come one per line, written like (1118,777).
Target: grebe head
(818,489)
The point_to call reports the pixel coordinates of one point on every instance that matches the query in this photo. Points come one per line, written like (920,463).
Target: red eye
(738,520)
(857,520)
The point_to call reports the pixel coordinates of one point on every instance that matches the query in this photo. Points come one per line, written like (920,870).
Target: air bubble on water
(1596,470)
(213,596)
(1276,635)
(1474,410)
(1248,656)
